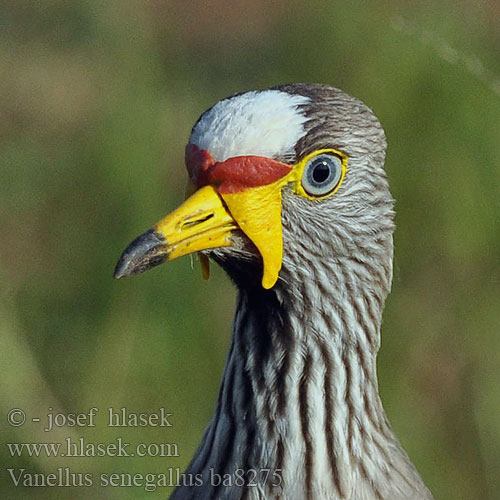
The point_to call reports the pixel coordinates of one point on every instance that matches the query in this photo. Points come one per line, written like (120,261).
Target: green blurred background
(96,104)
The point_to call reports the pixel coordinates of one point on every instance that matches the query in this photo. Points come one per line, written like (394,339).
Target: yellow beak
(207,220)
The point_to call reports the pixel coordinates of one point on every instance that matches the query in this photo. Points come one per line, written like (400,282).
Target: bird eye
(322,174)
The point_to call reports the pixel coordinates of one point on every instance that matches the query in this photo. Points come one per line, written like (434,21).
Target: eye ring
(322,174)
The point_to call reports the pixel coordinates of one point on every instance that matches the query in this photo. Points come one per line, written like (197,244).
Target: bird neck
(299,395)
(310,362)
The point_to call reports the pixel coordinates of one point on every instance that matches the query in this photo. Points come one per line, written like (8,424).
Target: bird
(289,195)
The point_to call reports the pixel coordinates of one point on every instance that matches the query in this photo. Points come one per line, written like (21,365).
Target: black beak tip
(121,268)
(145,252)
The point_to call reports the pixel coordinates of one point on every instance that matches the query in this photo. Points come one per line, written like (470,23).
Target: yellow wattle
(257,212)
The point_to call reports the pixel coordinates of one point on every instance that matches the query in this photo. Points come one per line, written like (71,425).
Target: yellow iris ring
(297,172)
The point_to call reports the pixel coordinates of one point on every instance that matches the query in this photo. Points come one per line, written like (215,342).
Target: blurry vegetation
(96,104)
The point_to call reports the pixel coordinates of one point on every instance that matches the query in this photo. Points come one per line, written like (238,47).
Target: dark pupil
(321,172)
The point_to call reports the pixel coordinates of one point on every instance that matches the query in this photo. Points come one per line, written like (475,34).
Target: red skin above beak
(235,174)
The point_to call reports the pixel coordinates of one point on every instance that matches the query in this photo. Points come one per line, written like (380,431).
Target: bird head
(280,179)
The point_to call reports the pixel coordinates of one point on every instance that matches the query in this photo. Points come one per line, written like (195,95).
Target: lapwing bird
(290,197)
